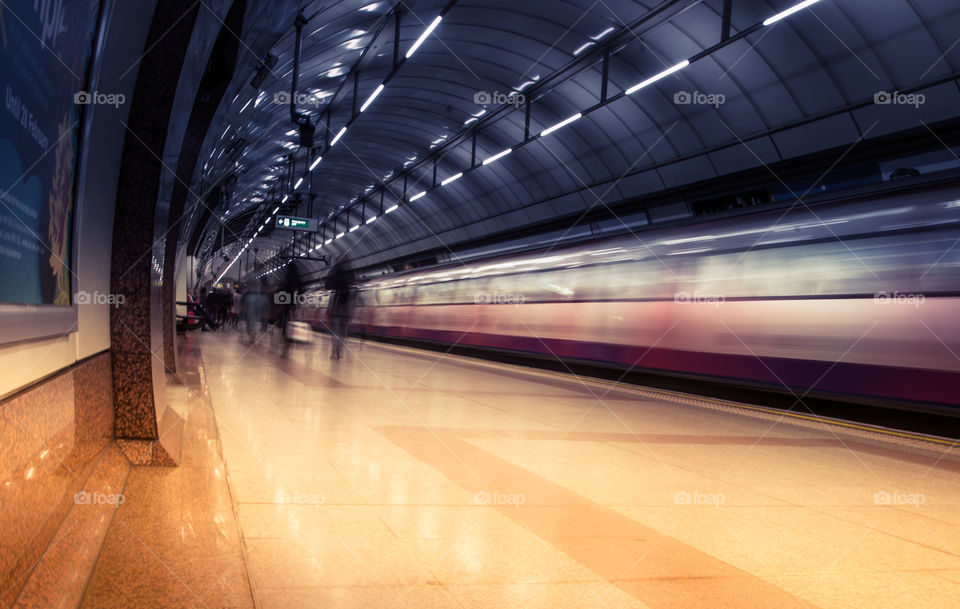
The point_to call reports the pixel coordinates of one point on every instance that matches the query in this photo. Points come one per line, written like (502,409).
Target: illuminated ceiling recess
(370,129)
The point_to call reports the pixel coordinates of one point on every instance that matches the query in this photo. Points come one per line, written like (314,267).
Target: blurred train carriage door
(384,314)
(558,316)
(656,282)
(647,292)
(462,307)
(363,311)
(503,294)
(482,321)
(438,294)
(409,313)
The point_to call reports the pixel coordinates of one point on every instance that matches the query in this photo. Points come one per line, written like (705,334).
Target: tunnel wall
(113,71)
(56,399)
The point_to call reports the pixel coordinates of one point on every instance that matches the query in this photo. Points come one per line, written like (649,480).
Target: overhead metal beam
(725,20)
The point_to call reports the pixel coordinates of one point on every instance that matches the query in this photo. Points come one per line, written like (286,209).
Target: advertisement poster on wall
(47,46)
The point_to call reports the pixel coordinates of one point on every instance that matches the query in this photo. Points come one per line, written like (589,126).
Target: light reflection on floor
(400,479)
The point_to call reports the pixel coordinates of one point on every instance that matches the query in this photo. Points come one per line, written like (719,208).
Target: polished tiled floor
(397,478)
(174,542)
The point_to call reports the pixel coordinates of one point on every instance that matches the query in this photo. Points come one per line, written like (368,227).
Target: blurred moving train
(856,300)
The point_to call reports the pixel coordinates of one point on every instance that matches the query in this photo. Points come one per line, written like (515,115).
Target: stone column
(147,431)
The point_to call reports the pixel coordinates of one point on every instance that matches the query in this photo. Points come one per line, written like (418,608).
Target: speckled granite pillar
(146,430)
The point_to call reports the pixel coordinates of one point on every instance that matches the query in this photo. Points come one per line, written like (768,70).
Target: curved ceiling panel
(780,90)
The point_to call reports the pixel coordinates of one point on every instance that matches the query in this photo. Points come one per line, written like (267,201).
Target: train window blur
(852,249)
(863,266)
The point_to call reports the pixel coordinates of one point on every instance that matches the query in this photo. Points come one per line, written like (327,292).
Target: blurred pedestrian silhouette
(254,304)
(203,307)
(287,298)
(339,308)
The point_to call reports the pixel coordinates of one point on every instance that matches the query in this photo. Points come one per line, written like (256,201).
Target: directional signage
(295,223)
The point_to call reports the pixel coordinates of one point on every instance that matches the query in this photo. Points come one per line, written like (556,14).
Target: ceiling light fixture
(423,36)
(562,123)
(372,97)
(452,178)
(793,9)
(499,155)
(583,47)
(657,77)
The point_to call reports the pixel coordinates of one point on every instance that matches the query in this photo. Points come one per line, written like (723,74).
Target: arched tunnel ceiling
(803,84)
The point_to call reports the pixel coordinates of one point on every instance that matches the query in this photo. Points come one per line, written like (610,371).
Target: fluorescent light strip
(499,155)
(355,227)
(370,219)
(418,195)
(372,97)
(562,123)
(659,76)
(339,235)
(390,209)
(276,209)
(583,48)
(327,242)
(315,162)
(337,137)
(423,36)
(602,34)
(230,265)
(784,14)
(452,178)
(297,185)
(283,200)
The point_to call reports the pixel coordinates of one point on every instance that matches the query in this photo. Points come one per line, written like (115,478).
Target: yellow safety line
(639,388)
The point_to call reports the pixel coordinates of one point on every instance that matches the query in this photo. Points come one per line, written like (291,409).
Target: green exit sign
(295,223)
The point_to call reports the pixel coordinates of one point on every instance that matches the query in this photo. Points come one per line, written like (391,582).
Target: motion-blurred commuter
(203,308)
(340,307)
(286,298)
(254,304)
(223,298)
(233,316)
